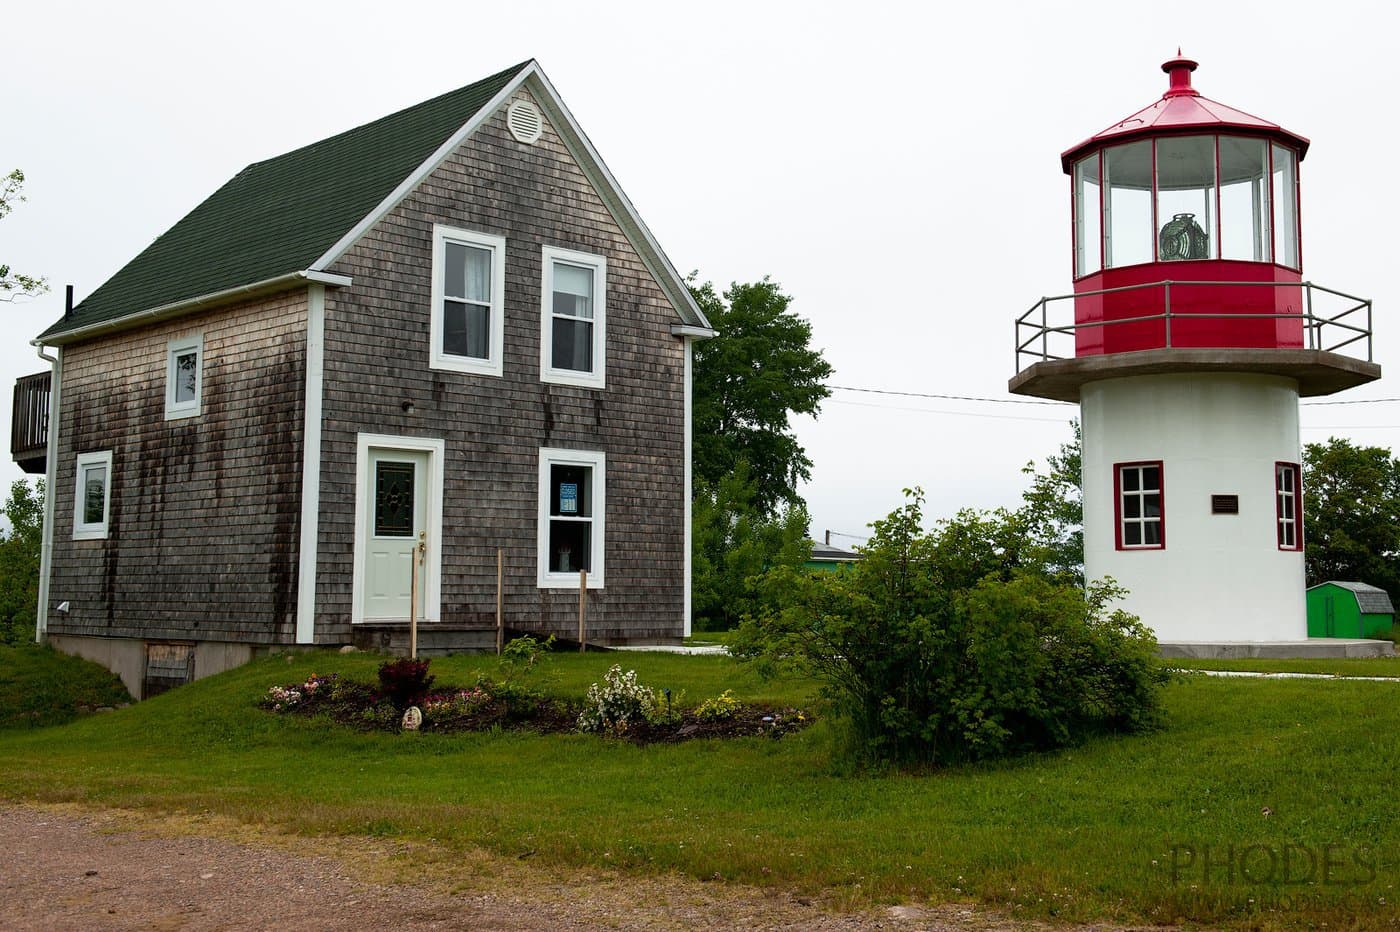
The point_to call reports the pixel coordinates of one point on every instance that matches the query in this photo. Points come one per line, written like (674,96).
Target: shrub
(947,647)
(618,704)
(718,707)
(404,682)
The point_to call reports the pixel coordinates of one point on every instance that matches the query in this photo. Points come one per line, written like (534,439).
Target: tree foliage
(943,648)
(748,382)
(19,561)
(1351,514)
(1053,513)
(733,544)
(13,284)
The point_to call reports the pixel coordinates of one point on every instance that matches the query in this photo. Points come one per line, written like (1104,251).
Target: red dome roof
(1181,111)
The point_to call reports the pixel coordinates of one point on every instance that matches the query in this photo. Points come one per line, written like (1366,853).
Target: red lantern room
(1186,191)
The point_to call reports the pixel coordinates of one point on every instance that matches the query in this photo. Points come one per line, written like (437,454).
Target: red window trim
(1118,506)
(1297,506)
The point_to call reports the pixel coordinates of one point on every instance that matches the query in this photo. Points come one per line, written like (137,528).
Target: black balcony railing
(29,425)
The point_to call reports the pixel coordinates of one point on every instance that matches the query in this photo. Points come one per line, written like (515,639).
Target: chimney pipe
(68,303)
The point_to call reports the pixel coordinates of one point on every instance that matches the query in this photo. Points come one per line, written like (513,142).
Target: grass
(1116,829)
(1335,666)
(41,687)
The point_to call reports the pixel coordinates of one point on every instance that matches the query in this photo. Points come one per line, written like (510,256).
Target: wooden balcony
(29,427)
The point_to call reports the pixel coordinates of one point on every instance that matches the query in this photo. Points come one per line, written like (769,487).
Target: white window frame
(496,245)
(599,265)
(173,350)
(597,461)
(83,530)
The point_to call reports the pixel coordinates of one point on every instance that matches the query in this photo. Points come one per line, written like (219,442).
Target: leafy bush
(718,707)
(947,647)
(404,682)
(618,704)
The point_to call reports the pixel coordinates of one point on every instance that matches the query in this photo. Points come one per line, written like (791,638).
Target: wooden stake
(500,617)
(582,607)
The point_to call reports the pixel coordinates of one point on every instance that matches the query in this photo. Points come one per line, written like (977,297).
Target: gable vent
(524,121)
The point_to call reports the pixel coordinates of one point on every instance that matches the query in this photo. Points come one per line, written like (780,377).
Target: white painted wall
(1220,577)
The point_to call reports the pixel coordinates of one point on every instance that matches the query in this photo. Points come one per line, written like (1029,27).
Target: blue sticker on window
(568,498)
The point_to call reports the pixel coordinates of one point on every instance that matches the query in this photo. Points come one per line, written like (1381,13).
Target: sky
(894,166)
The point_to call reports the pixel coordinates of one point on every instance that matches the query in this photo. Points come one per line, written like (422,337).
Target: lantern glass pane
(1127,217)
(1244,200)
(1186,198)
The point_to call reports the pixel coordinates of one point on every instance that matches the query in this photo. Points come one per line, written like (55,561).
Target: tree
(1053,513)
(13,284)
(1351,514)
(748,381)
(734,544)
(19,561)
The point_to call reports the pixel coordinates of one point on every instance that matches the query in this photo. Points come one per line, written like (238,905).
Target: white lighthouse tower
(1187,342)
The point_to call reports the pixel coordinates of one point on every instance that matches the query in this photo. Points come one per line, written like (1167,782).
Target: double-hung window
(573,317)
(184,377)
(1288,499)
(1138,506)
(468,285)
(572,497)
(92,495)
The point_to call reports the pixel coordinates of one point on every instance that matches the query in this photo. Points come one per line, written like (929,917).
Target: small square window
(184,377)
(92,495)
(468,311)
(571,518)
(574,319)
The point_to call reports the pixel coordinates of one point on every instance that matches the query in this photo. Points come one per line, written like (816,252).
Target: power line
(1027,401)
(996,401)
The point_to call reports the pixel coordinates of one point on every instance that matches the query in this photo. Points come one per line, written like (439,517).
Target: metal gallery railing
(1331,320)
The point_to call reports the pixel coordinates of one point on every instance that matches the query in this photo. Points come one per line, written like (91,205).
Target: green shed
(1349,610)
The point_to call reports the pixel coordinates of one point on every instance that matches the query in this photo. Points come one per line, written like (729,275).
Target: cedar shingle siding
(377,358)
(202,534)
(204,527)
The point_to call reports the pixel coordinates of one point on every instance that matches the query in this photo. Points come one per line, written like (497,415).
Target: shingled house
(448,326)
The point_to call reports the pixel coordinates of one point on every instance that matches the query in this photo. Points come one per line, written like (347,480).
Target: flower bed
(620,707)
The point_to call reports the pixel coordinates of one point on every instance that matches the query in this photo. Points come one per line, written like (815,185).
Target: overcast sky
(894,166)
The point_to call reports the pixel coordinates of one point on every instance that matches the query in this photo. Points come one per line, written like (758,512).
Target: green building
(1349,610)
(826,558)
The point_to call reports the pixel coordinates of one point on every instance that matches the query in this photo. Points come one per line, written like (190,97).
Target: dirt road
(67,868)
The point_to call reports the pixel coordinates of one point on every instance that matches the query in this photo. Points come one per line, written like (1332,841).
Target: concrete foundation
(1311,649)
(126,657)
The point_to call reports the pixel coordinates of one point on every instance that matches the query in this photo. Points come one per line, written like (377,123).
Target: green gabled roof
(277,217)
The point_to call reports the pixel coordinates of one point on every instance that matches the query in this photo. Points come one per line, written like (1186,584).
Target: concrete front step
(1311,649)
(434,640)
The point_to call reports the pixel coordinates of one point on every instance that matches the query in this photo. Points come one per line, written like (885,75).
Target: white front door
(396,514)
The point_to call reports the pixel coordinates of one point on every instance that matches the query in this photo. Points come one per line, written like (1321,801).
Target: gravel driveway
(68,868)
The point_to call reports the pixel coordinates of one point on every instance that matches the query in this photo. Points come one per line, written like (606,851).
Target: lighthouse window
(1186,198)
(1127,207)
(1286,206)
(1286,494)
(1088,230)
(1139,506)
(1245,214)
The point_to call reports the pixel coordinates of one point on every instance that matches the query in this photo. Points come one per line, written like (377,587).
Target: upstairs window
(573,318)
(468,285)
(92,495)
(572,496)
(184,377)
(1288,498)
(1138,505)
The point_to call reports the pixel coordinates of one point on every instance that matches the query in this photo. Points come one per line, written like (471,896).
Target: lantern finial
(1179,69)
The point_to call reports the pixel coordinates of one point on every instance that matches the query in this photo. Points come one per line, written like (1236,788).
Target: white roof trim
(189,305)
(422,171)
(697,333)
(617,202)
(564,123)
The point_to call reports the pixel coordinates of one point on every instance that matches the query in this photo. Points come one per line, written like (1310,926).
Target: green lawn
(40,687)
(1117,829)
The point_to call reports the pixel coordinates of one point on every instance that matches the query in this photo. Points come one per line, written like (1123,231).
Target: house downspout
(689,444)
(41,611)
